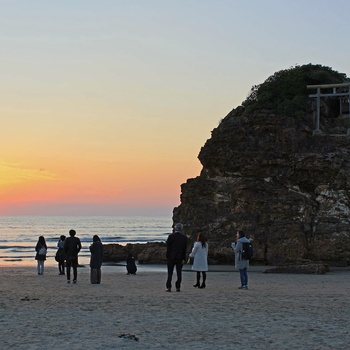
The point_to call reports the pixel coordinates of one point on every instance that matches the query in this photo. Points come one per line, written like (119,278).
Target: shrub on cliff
(285,92)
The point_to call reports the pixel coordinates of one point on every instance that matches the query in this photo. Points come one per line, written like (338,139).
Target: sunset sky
(106,104)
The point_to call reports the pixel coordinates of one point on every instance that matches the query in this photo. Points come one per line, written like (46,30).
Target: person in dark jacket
(96,250)
(130,265)
(176,255)
(60,256)
(41,249)
(72,247)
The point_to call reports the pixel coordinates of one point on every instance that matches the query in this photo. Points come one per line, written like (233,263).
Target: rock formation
(266,173)
(151,253)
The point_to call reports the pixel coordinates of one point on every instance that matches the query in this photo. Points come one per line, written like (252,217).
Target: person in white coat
(200,259)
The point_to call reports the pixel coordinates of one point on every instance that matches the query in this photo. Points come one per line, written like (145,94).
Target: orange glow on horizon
(91,182)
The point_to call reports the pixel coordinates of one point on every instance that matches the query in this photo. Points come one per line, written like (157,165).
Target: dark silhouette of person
(176,255)
(41,250)
(72,247)
(60,256)
(96,258)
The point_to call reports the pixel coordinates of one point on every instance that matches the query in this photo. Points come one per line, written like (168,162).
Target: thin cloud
(15,173)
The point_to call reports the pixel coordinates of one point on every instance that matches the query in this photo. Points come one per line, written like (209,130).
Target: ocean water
(19,234)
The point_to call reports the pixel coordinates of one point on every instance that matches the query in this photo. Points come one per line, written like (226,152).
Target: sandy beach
(279,311)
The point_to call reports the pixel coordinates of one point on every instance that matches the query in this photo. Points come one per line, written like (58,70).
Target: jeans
(244,277)
(171,266)
(40,267)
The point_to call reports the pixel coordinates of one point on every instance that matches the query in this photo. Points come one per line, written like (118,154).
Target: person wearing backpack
(60,257)
(41,250)
(240,263)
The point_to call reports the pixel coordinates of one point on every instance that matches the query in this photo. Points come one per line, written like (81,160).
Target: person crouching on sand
(130,265)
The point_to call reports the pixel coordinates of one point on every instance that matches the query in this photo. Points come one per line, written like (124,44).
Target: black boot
(204,279)
(198,280)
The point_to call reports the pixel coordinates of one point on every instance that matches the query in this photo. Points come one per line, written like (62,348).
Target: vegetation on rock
(286,92)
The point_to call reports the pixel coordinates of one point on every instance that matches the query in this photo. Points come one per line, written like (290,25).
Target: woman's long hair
(202,238)
(96,238)
(42,241)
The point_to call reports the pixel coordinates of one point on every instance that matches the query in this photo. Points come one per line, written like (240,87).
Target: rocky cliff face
(267,174)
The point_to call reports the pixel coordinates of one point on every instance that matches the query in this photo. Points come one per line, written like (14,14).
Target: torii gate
(335,93)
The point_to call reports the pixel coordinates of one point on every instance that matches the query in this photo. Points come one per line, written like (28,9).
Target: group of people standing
(69,248)
(67,256)
(176,257)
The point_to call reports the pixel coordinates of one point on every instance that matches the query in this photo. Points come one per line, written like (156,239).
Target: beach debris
(26,298)
(128,336)
(12,260)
